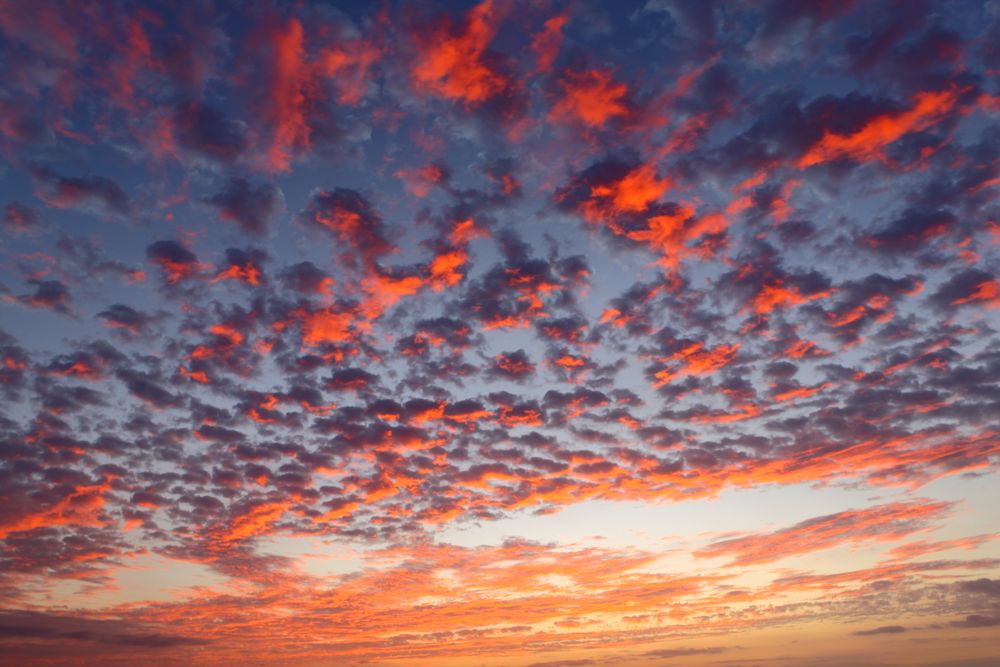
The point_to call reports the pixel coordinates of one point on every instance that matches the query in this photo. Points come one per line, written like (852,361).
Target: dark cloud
(207,132)
(353,221)
(910,232)
(81,192)
(982,586)
(176,262)
(977,621)
(51,294)
(969,287)
(125,318)
(249,206)
(682,652)
(18,218)
(882,630)
(516,366)
(36,625)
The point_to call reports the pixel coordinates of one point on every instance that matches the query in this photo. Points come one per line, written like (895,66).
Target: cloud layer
(363,278)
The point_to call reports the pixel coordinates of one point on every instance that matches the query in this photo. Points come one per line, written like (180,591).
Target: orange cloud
(923,547)
(324,325)
(80,506)
(696,359)
(590,97)
(287,95)
(987,292)
(545,44)
(776,294)
(420,181)
(347,66)
(633,192)
(880,523)
(868,143)
(451,60)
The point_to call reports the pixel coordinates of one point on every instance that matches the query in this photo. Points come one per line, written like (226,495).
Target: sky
(500,333)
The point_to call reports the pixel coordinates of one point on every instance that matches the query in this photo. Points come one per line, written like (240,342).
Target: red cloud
(868,143)
(452,59)
(590,97)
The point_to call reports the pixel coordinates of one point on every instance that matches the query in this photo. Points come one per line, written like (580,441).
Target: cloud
(50,294)
(879,523)
(683,652)
(982,586)
(175,261)
(590,97)
(453,59)
(51,627)
(882,630)
(20,219)
(248,206)
(503,265)
(969,287)
(207,132)
(353,221)
(99,193)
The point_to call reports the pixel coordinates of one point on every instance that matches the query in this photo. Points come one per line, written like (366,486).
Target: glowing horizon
(500,333)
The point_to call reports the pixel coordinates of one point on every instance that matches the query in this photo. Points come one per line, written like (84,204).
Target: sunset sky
(530,334)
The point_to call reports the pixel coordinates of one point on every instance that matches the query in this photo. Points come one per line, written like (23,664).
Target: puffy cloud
(175,261)
(247,205)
